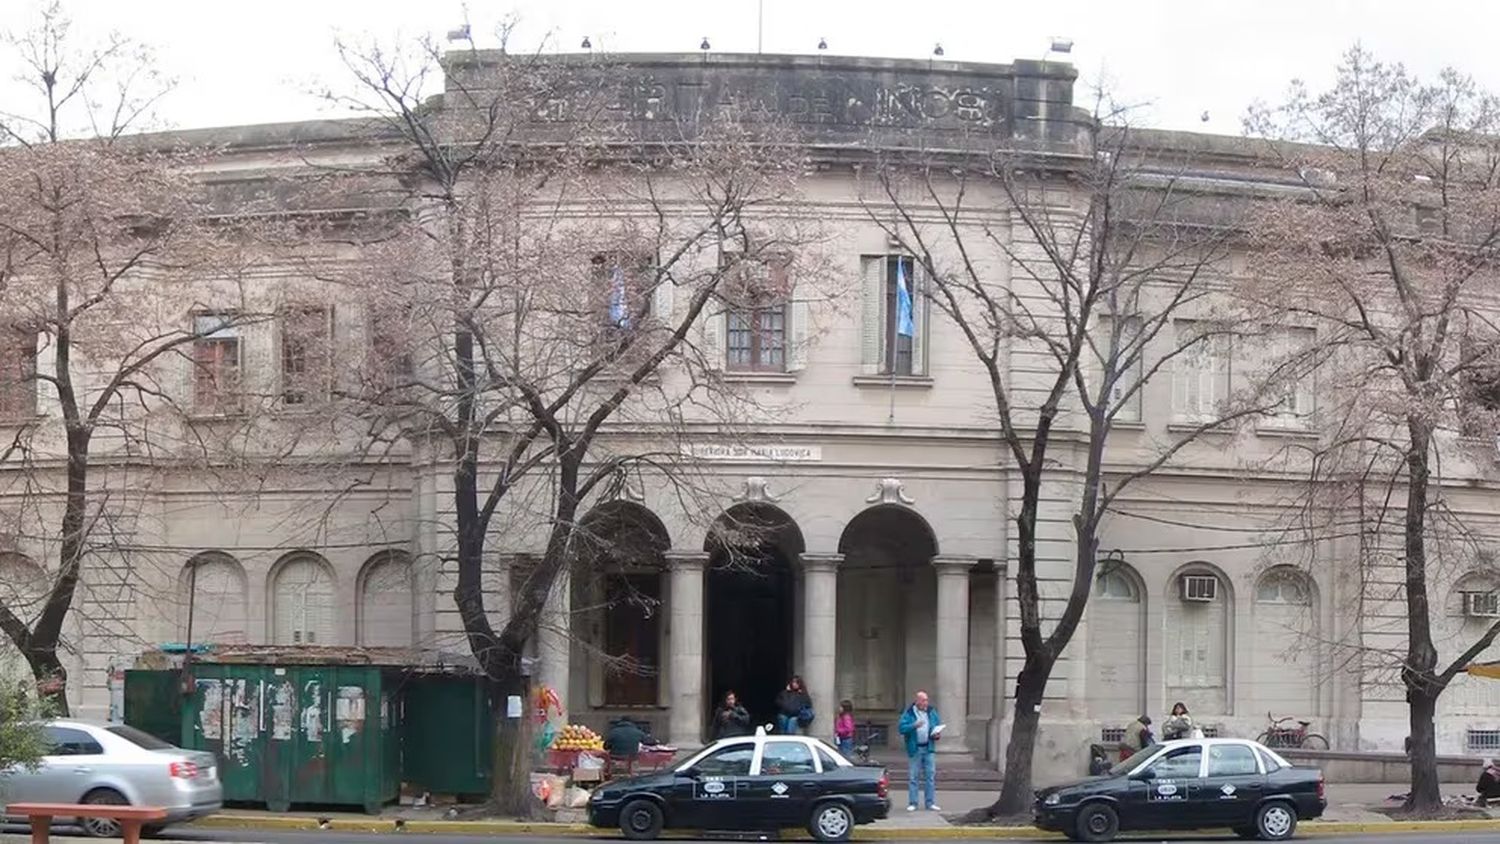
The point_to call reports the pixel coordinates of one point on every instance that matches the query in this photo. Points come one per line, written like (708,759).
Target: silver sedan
(116,765)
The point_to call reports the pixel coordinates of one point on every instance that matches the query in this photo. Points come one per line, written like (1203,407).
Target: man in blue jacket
(921,726)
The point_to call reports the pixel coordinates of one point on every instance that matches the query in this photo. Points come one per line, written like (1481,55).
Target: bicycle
(862,749)
(1298,737)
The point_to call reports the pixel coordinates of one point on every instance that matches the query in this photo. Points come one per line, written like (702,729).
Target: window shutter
(798,314)
(872,319)
(921,319)
(661,300)
(715,331)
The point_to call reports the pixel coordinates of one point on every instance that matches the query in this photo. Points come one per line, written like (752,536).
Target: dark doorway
(749,620)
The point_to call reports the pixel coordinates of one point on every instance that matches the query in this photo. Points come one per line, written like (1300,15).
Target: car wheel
(1276,821)
(1097,822)
(641,820)
(102,827)
(831,822)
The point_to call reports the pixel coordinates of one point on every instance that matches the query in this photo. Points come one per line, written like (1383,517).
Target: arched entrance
(622,575)
(749,612)
(887,599)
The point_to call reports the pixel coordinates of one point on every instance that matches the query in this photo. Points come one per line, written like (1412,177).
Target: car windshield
(138,738)
(1128,764)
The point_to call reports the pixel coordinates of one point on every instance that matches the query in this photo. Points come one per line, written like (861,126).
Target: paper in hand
(938,730)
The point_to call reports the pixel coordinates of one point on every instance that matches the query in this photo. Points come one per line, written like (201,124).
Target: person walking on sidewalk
(793,707)
(921,726)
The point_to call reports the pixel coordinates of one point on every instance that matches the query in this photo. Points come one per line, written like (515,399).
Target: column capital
(954,563)
(684,559)
(820,562)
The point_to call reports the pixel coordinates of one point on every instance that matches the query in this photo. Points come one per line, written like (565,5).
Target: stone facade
(891,572)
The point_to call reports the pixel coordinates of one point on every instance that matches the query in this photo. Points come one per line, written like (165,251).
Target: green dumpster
(285,734)
(153,703)
(448,733)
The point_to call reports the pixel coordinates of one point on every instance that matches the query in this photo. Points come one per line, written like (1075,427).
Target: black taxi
(760,782)
(1188,784)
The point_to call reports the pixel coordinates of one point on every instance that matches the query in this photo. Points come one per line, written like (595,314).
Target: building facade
(886,497)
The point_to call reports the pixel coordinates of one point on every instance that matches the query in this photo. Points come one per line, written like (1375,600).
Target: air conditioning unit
(1201,588)
(1482,604)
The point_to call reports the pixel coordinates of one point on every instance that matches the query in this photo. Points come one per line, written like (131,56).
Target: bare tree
(1391,252)
(1075,281)
(101,242)
(541,310)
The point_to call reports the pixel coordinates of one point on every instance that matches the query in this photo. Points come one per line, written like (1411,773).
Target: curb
(576,830)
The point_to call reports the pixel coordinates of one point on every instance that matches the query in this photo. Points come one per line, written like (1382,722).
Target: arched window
(1115,585)
(1283,586)
(302,593)
(1117,644)
(385,601)
(1195,638)
(211,591)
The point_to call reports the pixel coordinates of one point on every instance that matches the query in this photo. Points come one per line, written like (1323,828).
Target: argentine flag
(619,314)
(904,325)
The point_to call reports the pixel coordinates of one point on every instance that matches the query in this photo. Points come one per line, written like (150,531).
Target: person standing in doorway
(731,719)
(1179,725)
(793,707)
(921,726)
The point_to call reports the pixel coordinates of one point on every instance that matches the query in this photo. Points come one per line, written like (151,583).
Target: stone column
(553,639)
(820,589)
(951,697)
(685,645)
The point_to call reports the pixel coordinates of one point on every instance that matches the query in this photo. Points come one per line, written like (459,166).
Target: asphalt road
(229,835)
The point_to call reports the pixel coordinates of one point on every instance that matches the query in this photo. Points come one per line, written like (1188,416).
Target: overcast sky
(256,61)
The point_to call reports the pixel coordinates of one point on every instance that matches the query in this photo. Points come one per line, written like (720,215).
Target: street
(242,837)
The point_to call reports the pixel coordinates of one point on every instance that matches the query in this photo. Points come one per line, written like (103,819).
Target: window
(66,741)
(785,758)
(1289,376)
(1282,588)
(731,761)
(1115,585)
(1483,741)
(619,283)
(1270,760)
(143,740)
(1200,376)
(17,373)
(900,310)
(755,294)
(305,351)
(632,639)
(216,363)
(304,603)
(827,759)
(1111,735)
(1124,398)
(1231,760)
(1182,763)
(389,359)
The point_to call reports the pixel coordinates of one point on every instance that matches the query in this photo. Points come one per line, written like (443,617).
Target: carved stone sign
(757,453)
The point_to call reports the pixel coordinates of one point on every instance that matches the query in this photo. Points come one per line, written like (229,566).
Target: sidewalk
(1351,808)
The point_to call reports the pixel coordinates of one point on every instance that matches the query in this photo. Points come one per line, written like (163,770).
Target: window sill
(1291,431)
(1127,425)
(900,382)
(1185,427)
(747,376)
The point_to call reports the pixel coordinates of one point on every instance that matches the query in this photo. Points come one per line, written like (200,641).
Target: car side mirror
(690,773)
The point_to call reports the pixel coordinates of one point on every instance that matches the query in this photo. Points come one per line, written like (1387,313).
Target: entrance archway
(887,600)
(749,612)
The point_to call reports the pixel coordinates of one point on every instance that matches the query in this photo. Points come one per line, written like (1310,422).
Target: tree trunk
(51,679)
(1031,686)
(1425,796)
(512,753)
(1418,674)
